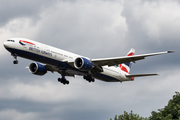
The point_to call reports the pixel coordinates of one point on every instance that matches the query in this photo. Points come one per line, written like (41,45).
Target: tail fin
(127,66)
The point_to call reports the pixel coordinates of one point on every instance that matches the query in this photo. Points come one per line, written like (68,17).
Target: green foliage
(169,112)
(129,116)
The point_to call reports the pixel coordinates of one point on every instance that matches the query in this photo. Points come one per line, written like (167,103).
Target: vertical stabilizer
(127,66)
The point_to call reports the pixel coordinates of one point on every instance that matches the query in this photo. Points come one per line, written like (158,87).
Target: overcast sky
(96,29)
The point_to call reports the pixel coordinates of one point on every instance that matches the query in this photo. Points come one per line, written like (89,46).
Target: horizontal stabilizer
(140,75)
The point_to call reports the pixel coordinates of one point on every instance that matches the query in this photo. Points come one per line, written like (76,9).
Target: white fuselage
(58,59)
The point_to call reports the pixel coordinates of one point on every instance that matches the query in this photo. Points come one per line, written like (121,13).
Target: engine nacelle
(83,64)
(37,68)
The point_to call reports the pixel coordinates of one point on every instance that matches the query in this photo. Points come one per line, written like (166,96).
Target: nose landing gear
(15,61)
(15,57)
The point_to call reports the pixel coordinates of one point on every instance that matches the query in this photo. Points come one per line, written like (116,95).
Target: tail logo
(126,66)
(123,68)
(130,54)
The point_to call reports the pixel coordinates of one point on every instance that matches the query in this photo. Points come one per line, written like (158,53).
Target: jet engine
(83,64)
(37,68)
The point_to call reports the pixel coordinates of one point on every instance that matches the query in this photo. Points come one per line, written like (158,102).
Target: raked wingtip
(170,51)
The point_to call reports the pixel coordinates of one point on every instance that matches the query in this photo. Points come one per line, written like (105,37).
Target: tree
(169,112)
(129,116)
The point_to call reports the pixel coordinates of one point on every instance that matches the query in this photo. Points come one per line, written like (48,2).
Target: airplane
(48,58)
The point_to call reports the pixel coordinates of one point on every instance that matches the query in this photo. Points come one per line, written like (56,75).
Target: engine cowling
(37,68)
(83,64)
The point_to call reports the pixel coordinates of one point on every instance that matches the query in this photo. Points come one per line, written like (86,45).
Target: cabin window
(10,40)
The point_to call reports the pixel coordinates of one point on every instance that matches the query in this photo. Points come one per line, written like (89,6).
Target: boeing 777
(48,58)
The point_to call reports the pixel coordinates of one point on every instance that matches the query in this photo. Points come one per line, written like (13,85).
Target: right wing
(119,60)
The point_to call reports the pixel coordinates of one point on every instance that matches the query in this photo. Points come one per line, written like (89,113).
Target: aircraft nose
(6,44)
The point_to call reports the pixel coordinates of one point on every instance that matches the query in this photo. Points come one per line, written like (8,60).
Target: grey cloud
(17,9)
(139,14)
(79,25)
(94,29)
(144,37)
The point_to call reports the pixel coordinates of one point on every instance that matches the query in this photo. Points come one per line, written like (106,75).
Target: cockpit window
(10,40)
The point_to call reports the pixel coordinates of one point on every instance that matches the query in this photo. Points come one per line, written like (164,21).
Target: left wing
(125,59)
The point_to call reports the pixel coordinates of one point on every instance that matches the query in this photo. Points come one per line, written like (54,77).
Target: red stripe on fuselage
(26,42)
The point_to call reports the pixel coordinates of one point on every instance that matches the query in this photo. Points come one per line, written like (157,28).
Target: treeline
(169,112)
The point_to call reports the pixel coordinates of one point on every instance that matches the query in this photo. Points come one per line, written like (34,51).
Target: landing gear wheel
(67,82)
(63,81)
(15,61)
(92,80)
(59,79)
(15,57)
(89,78)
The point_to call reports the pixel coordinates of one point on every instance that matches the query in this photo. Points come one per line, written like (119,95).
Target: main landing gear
(63,80)
(15,57)
(89,78)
